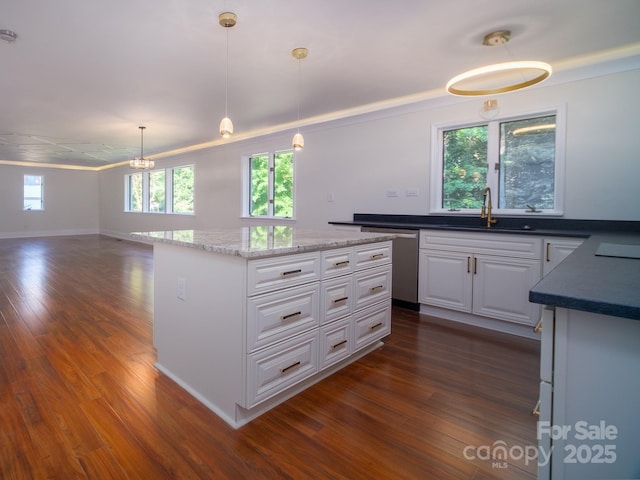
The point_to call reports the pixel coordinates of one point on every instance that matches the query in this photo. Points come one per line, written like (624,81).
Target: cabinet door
(557,250)
(501,288)
(445,279)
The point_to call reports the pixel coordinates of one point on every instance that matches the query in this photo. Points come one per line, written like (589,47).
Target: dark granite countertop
(593,283)
(583,281)
(544,226)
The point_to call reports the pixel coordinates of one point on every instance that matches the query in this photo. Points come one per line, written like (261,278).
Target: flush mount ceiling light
(298,139)
(140,162)
(227,20)
(500,77)
(8,36)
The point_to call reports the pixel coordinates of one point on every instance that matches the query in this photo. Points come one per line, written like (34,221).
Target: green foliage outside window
(148,191)
(524,172)
(135,192)
(259,185)
(278,186)
(283,185)
(465,167)
(157,191)
(183,190)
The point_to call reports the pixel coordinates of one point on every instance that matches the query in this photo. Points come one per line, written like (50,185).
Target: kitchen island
(246,318)
(590,362)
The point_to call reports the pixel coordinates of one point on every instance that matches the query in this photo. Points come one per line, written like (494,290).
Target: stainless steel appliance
(404,291)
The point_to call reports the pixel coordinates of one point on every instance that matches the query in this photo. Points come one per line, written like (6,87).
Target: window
(270,185)
(520,159)
(134,192)
(160,191)
(182,190)
(156,191)
(33,192)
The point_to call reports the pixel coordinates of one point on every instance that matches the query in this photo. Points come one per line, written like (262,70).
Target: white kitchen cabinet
(557,249)
(445,279)
(251,333)
(501,288)
(483,274)
(589,390)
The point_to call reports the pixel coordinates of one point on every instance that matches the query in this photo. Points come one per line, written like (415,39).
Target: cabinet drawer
(371,286)
(335,299)
(501,244)
(276,316)
(372,254)
(335,339)
(274,273)
(276,368)
(371,324)
(336,262)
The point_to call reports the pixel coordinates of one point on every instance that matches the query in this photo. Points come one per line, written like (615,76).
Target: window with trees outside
(33,192)
(270,185)
(520,159)
(160,191)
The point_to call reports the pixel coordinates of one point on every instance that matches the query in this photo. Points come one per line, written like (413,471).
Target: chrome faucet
(486,208)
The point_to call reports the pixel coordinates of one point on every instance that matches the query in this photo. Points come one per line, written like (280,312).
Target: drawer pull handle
(339,344)
(338,300)
(291,315)
(538,327)
(341,264)
(536,409)
(284,370)
(376,288)
(377,325)
(291,272)
(375,256)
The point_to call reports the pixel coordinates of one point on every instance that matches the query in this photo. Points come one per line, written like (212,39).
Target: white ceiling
(83,75)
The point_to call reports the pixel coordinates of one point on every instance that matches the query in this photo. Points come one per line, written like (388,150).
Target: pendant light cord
(141,143)
(226,88)
(298,95)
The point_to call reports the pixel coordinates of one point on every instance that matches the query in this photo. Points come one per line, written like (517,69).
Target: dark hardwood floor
(80,398)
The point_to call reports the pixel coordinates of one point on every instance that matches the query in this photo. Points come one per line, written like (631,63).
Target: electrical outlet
(330,196)
(393,193)
(411,192)
(181,288)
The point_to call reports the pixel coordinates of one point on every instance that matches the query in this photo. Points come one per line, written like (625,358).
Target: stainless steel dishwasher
(404,288)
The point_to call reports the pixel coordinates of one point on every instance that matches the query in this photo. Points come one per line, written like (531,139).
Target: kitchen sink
(484,228)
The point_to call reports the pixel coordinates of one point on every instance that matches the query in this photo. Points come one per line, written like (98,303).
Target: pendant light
(140,162)
(494,79)
(298,139)
(227,20)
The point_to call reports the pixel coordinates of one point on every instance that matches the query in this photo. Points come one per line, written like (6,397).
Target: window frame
(146,191)
(493,156)
(41,197)
(246,185)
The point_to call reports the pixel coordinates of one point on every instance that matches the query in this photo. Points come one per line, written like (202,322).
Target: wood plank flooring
(80,398)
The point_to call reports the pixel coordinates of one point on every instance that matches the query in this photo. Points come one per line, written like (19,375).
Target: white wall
(70,203)
(358,160)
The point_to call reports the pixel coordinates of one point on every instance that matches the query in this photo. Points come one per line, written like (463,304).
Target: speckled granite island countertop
(601,276)
(261,241)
